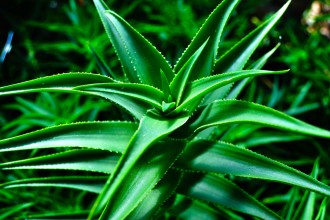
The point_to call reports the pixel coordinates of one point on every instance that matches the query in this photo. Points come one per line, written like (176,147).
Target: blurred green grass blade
(234,111)
(112,136)
(323,209)
(105,69)
(141,61)
(68,82)
(81,214)
(92,184)
(210,156)
(80,159)
(216,189)
(144,93)
(199,88)
(264,137)
(306,207)
(186,208)
(16,209)
(156,197)
(212,29)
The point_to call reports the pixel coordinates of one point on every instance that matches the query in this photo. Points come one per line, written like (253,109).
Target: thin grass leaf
(82,214)
(218,190)
(235,112)
(92,184)
(322,211)
(16,209)
(306,207)
(210,156)
(81,159)
(105,69)
(112,136)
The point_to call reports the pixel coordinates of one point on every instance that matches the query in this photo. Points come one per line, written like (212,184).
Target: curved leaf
(153,127)
(242,112)
(141,92)
(216,189)
(89,183)
(212,29)
(210,156)
(140,60)
(68,81)
(236,58)
(60,82)
(81,159)
(158,195)
(199,88)
(112,136)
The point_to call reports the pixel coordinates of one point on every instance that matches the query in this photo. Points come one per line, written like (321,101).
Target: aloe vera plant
(169,160)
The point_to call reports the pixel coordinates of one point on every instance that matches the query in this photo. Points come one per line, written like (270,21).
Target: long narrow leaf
(212,29)
(112,136)
(140,60)
(87,183)
(152,128)
(141,92)
(199,88)
(218,190)
(81,159)
(210,156)
(242,112)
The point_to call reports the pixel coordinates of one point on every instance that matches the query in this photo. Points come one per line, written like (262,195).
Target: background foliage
(59,36)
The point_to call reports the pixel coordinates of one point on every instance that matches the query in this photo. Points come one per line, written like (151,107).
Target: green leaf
(212,29)
(218,190)
(112,136)
(86,183)
(242,112)
(61,215)
(199,88)
(142,177)
(60,82)
(69,81)
(153,127)
(7,212)
(236,58)
(141,92)
(140,60)
(181,79)
(306,207)
(210,156)
(81,159)
(105,69)
(156,197)
(256,65)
